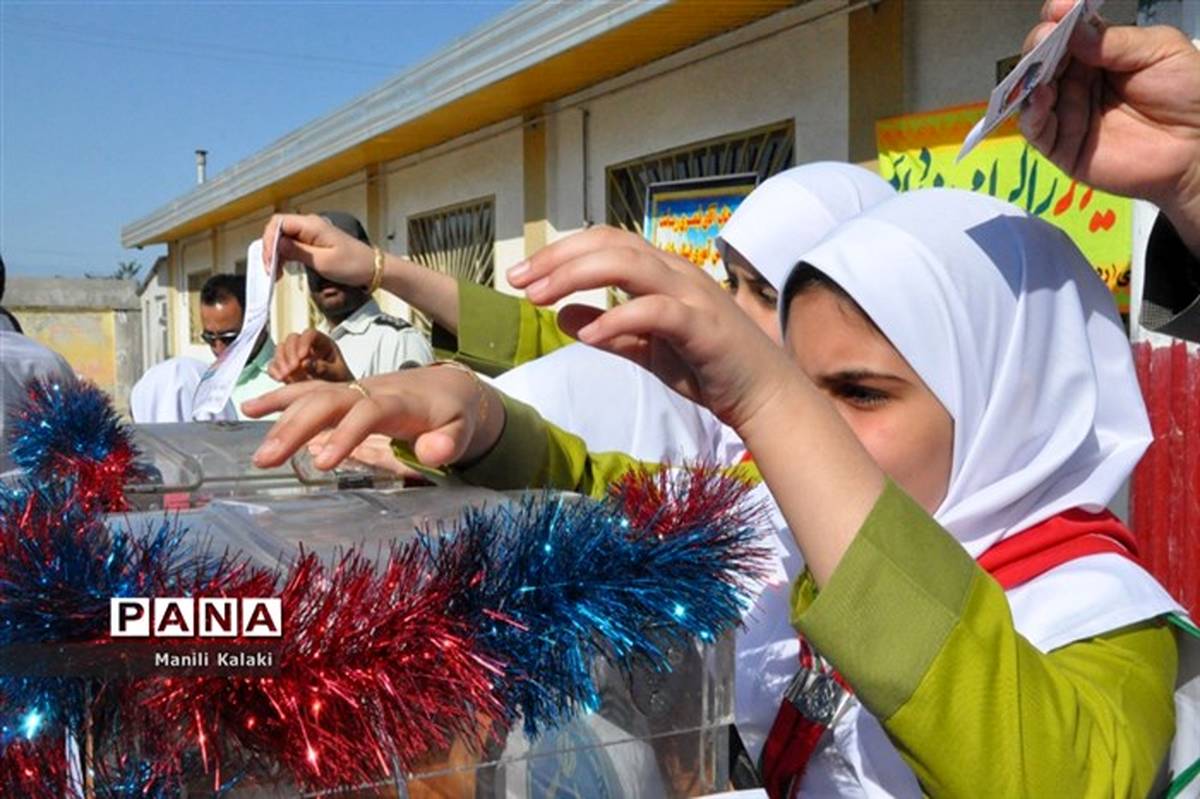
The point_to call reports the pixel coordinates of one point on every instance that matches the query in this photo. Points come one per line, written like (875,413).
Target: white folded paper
(217,382)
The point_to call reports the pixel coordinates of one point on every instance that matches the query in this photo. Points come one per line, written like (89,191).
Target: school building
(558,115)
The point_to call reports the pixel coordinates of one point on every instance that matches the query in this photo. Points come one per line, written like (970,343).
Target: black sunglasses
(225,338)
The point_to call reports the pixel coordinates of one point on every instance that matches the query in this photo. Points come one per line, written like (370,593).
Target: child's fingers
(656,354)
(292,250)
(269,232)
(633,270)
(278,234)
(657,316)
(360,421)
(630,346)
(286,360)
(303,420)
(279,399)
(574,316)
(301,236)
(1054,10)
(552,256)
(1039,123)
(318,442)
(1126,48)
(406,415)
(1073,116)
(1035,36)
(443,445)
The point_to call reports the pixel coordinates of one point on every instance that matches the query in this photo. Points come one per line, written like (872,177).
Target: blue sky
(103,103)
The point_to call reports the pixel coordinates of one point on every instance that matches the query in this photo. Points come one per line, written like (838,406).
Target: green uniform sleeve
(498,331)
(532,453)
(926,639)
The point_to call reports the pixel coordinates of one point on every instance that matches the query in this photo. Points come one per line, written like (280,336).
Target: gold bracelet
(377,275)
(482,403)
(354,385)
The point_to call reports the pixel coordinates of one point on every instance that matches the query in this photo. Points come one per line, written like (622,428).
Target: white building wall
(951,48)
(799,73)
(236,237)
(792,65)
(348,194)
(195,257)
(155,317)
(487,165)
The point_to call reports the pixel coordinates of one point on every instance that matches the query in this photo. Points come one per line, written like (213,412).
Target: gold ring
(354,385)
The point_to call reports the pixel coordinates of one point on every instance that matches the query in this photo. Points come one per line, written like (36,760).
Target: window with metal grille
(459,240)
(765,150)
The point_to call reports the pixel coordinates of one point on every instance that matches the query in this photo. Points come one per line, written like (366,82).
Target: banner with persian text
(918,150)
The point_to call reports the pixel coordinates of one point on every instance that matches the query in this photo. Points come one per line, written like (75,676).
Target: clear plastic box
(655,734)
(188,465)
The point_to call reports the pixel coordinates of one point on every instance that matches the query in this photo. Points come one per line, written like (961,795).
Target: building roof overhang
(532,55)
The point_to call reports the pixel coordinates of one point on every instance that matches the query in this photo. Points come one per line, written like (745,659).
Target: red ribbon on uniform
(803,719)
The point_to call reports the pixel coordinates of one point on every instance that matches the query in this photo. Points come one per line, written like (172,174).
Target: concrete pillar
(533,150)
(876,71)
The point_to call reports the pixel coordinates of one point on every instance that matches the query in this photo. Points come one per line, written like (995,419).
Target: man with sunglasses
(222,307)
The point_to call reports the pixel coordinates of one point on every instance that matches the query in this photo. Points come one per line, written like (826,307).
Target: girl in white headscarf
(979,403)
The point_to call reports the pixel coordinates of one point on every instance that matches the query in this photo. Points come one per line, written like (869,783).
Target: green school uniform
(498,331)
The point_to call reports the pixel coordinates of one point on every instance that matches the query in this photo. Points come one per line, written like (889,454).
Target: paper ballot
(1036,68)
(217,382)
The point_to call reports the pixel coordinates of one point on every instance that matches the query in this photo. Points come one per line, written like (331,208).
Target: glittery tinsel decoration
(374,673)
(68,428)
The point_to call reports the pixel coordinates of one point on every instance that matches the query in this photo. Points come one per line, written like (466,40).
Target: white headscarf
(790,212)
(1006,323)
(615,405)
(1011,329)
(165,391)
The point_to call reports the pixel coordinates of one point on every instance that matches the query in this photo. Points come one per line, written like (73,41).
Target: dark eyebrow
(748,273)
(858,376)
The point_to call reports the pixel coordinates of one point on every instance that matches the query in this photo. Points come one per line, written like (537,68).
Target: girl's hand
(315,242)
(375,451)
(448,414)
(681,325)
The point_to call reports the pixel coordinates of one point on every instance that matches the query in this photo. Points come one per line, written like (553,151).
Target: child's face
(753,294)
(896,417)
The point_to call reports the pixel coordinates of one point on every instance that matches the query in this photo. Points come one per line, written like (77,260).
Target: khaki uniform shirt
(373,342)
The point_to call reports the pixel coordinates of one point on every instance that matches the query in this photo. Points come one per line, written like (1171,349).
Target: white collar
(358,322)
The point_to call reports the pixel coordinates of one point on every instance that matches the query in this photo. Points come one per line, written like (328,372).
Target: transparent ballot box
(654,734)
(187,465)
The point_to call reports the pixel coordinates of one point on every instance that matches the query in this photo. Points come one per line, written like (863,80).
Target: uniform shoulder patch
(390,321)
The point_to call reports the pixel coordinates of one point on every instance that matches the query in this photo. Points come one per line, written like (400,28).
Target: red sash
(1060,539)
(818,694)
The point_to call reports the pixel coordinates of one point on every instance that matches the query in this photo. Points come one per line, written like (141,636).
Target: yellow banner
(918,150)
